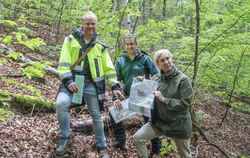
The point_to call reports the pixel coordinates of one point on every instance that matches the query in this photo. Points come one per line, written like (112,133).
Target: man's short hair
(89,14)
(130,36)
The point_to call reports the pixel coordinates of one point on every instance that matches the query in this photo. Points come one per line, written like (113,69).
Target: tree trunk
(143,13)
(124,18)
(59,21)
(164,9)
(124,22)
(1,17)
(196,41)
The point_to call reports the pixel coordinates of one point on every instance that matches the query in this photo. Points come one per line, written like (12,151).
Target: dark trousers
(120,134)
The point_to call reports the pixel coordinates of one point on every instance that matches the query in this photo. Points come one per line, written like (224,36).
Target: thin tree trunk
(150,8)
(1,10)
(196,40)
(143,13)
(138,16)
(59,20)
(235,79)
(164,9)
(122,22)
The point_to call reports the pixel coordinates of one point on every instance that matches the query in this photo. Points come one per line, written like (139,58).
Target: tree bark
(59,21)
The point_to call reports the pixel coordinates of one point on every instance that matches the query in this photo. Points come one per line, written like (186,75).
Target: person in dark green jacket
(133,63)
(170,116)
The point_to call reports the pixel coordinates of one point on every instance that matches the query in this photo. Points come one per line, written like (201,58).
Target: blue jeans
(62,111)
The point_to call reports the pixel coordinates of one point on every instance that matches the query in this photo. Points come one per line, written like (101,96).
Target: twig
(40,110)
(33,107)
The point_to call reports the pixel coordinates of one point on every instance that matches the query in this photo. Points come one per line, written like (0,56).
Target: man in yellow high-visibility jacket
(95,67)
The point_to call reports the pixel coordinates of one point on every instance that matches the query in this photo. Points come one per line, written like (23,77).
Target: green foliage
(149,35)
(33,43)
(4,93)
(14,55)
(34,69)
(10,23)
(167,147)
(2,61)
(4,114)
(7,40)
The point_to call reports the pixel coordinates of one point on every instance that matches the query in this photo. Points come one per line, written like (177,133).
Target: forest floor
(36,135)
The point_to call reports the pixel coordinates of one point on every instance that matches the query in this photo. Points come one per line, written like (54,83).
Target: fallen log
(86,126)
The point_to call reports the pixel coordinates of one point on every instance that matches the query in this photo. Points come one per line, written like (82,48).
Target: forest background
(208,38)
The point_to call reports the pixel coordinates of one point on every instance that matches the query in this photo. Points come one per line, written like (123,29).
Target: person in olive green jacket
(170,116)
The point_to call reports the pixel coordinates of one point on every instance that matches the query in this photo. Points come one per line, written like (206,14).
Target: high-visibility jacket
(100,63)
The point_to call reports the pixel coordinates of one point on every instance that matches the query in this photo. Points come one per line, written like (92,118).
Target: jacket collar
(78,34)
(170,74)
(138,53)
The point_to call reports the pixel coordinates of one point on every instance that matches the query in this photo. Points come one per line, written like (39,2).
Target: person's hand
(140,77)
(159,96)
(118,94)
(73,87)
(118,104)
